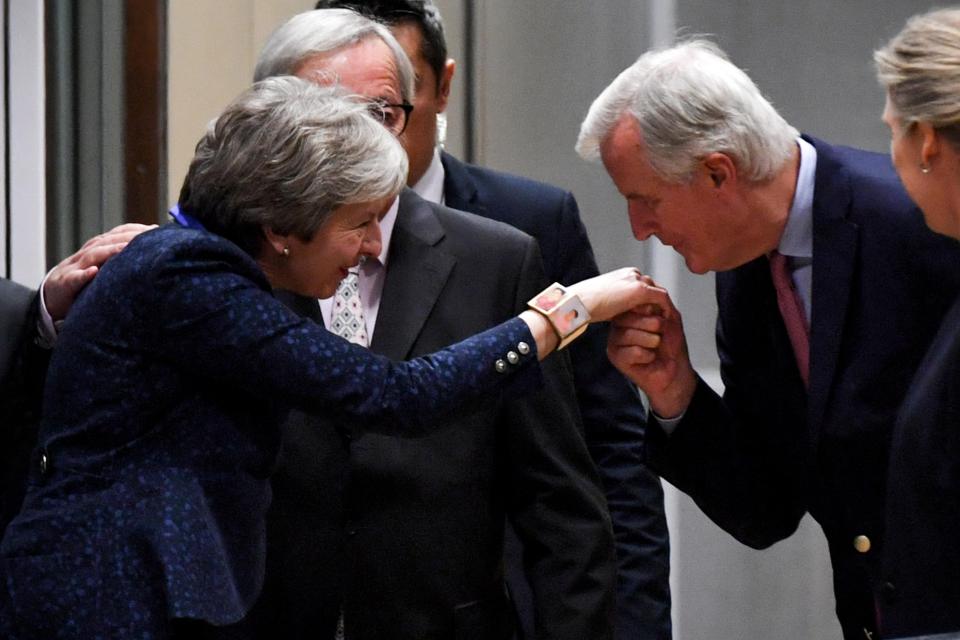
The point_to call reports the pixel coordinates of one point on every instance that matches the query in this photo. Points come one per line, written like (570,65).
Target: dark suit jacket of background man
(22,369)
(921,562)
(613,417)
(767,453)
(415,541)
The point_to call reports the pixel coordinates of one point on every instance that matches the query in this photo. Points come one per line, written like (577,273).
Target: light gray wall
(539,66)
(811,58)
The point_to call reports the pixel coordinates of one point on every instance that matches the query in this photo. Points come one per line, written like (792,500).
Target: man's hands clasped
(647,344)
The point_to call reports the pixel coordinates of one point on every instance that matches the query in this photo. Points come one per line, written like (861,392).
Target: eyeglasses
(393,116)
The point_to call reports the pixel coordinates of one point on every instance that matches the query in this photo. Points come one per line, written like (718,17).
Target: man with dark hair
(613,417)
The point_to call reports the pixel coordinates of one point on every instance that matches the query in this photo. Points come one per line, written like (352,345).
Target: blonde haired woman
(920,583)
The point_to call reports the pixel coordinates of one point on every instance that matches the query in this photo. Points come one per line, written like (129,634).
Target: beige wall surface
(213,45)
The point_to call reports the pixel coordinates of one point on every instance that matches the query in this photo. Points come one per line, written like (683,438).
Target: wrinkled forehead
(366,68)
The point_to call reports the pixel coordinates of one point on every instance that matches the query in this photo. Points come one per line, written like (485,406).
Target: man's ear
(446,81)
(720,169)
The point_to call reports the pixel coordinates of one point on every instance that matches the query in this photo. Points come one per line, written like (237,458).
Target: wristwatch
(563,310)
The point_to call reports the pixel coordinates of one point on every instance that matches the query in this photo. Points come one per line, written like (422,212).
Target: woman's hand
(607,296)
(610,294)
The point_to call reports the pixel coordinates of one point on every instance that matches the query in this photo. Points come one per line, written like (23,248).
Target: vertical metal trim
(5,136)
(664,262)
(26,140)
(163,109)
(663,22)
(112,115)
(84,126)
(63,161)
(469,82)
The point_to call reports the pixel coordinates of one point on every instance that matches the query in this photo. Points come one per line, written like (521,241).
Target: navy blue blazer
(921,562)
(161,428)
(613,417)
(22,368)
(767,452)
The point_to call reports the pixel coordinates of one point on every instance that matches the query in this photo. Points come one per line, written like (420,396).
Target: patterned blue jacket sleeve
(218,318)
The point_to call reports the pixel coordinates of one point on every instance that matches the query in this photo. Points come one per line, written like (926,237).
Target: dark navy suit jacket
(921,562)
(147,501)
(17,308)
(613,416)
(22,369)
(412,548)
(767,452)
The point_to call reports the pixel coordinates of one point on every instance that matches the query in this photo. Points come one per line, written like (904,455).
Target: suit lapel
(459,189)
(416,273)
(835,249)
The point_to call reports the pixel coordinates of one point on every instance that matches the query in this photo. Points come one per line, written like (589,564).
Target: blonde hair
(920,69)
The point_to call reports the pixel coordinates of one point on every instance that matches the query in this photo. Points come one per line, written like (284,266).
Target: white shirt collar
(430,185)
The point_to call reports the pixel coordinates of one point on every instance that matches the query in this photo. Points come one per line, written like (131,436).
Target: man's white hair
(690,101)
(324,31)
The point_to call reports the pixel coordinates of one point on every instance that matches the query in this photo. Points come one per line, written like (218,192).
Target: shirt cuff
(47,329)
(668,425)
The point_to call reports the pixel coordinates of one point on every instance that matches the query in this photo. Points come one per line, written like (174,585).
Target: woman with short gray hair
(145,511)
(328,155)
(920,583)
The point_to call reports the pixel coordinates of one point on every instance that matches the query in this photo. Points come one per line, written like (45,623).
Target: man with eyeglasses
(613,418)
(402,538)
(393,116)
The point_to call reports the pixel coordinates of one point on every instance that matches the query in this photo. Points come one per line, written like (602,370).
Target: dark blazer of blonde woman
(921,561)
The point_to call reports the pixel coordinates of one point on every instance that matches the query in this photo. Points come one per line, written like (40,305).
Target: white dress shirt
(430,185)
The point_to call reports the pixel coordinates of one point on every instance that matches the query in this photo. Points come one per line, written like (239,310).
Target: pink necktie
(791,308)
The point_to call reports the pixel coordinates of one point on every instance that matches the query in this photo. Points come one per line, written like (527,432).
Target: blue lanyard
(185,219)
